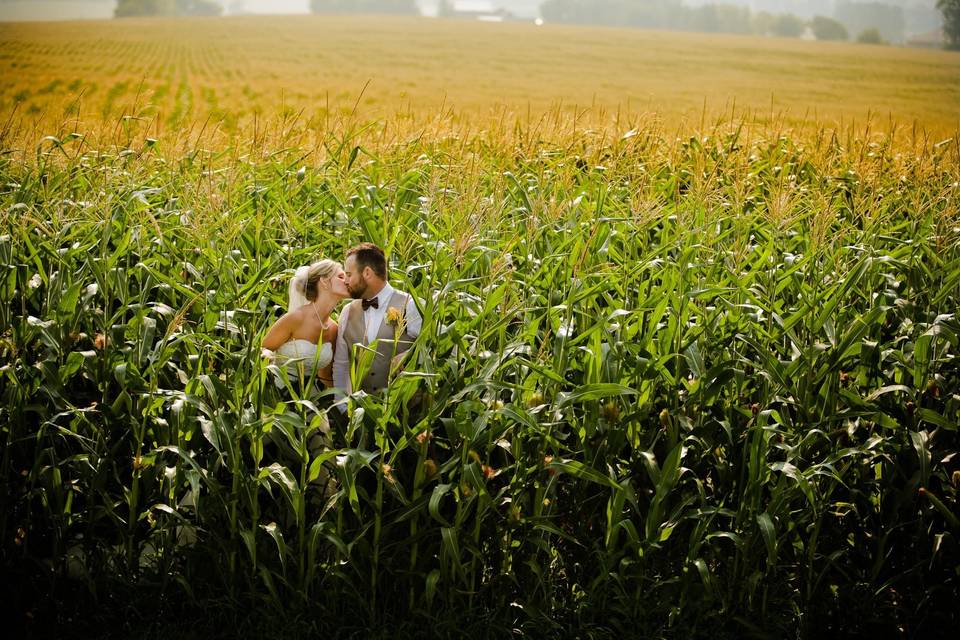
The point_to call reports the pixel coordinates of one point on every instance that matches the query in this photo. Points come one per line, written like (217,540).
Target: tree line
(872,22)
(135,8)
(951,21)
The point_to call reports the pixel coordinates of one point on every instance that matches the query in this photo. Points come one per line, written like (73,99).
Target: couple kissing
(380,319)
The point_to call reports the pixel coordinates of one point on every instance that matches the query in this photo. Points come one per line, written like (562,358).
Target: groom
(377,313)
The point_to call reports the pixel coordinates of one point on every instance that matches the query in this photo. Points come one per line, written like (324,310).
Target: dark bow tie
(373,302)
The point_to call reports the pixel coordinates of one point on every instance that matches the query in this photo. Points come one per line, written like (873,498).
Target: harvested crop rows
(320,65)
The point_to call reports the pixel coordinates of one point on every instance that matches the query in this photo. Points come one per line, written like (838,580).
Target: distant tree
(612,12)
(396,7)
(445,8)
(825,28)
(652,14)
(718,18)
(134,8)
(788,26)
(556,10)
(870,36)
(888,19)
(761,23)
(733,18)
(199,8)
(951,21)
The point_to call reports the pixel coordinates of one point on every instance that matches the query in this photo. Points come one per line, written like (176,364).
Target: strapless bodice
(304,355)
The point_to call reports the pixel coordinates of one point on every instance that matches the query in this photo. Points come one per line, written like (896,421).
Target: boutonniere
(394,316)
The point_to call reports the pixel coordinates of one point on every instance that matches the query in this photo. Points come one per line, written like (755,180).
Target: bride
(304,337)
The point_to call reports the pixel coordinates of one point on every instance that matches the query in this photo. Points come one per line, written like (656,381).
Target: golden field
(81,75)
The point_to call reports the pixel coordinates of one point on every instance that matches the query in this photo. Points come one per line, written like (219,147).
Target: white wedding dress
(302,357)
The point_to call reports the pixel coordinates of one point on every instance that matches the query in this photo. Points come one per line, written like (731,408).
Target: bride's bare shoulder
(295,317)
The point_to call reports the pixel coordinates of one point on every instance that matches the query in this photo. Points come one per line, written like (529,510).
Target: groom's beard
(357,293)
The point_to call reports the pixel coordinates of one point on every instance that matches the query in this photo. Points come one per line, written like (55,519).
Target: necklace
(323,325)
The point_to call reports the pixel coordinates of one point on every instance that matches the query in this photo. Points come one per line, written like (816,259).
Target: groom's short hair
(367,254)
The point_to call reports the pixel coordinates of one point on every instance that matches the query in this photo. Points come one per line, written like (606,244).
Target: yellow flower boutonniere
(394,316)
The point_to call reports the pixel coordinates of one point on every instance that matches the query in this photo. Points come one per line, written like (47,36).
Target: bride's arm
(280,332)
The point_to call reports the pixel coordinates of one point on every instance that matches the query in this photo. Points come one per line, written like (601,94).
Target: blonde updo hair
(318,271)
(304,286)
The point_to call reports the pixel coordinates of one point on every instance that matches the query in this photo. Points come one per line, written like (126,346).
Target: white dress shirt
(372,319)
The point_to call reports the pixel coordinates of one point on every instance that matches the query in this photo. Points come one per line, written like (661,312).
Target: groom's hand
(397,363)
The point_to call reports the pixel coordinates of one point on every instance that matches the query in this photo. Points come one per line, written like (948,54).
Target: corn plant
(664,385)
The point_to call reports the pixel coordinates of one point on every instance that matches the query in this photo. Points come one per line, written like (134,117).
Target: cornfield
(699,385)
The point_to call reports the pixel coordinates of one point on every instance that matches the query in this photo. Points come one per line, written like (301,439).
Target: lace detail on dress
(303,357)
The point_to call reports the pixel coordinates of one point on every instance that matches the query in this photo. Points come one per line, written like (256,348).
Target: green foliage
(134,8)
(762,23)
(719,18)
(664,385)
(672,14)
(667,14)
(395,7)
(951,21)
(825,28)
(199,7)
(870,36)
(788,26)
(888,19)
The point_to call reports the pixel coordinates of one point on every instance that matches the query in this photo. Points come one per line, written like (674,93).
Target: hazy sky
(277,6)
(73,9)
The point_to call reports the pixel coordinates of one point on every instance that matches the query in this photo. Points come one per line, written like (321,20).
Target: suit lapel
(358,330)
